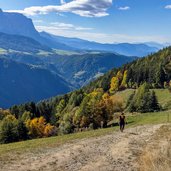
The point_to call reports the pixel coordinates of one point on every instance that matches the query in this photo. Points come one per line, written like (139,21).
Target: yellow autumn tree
(124,83)
(105,96)
(39,128)
(49,130)
(119,76)
(108,105)
(114,85)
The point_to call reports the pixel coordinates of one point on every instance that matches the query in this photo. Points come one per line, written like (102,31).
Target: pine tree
(160,77)
(154,102)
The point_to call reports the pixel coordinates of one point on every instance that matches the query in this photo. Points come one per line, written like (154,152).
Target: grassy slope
(38,144)
(163,96)
(133,120)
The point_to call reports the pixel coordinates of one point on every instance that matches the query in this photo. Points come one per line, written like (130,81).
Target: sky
(105,21)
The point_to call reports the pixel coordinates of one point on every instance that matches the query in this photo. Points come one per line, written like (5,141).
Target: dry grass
(157,153)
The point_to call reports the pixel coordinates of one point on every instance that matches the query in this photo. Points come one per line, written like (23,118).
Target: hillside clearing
(163,96)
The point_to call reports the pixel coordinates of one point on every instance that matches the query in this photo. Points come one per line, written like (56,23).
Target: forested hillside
(94,106)
(154,69)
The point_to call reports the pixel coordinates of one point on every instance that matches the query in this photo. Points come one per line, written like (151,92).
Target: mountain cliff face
(15,23)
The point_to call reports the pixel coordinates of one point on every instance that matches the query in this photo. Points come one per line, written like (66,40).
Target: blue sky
(99,20)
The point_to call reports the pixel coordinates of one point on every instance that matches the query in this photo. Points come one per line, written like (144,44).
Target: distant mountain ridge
(18,24)
(126,49)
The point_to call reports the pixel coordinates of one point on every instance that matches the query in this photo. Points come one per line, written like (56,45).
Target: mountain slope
(21,43)
(154,69)
(86,65)
(81,69)
(21,83)
(121,48)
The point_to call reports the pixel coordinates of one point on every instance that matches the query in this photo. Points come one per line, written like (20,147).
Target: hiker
(122,122)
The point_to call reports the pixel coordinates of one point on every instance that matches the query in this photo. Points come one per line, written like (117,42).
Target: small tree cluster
(143,100)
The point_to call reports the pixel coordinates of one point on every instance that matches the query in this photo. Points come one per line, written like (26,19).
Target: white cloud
(102,37)
(62,1)
(67,26)
(168,6)
(38,21)
(85,8)
(124,8)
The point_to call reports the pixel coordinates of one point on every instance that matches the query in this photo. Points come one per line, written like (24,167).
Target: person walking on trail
(122,122)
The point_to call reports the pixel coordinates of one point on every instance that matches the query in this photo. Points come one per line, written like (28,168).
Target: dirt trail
(114,152)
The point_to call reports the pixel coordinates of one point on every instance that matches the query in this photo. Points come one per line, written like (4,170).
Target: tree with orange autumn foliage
(39,128)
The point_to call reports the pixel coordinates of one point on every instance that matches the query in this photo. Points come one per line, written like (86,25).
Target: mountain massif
(52,57)
(18,24)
